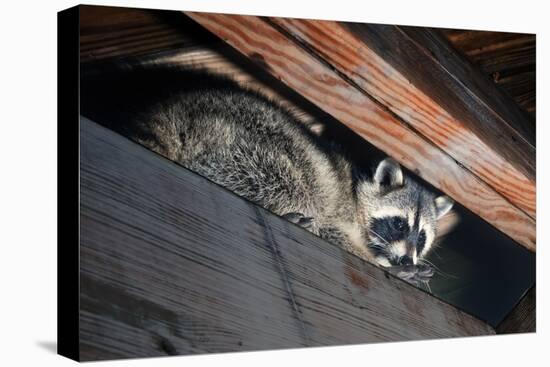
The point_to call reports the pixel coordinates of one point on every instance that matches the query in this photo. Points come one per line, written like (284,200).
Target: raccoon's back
(233,136)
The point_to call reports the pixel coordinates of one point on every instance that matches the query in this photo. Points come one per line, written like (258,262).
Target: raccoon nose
(405,260)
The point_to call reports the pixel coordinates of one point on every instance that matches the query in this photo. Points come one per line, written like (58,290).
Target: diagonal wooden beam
(474,80)
(292,59)
(450,106)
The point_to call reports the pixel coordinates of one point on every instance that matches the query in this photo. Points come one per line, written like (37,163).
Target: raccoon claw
(299,219)
(424,271)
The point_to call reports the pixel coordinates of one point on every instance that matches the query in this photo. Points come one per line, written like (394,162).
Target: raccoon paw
(423,274)
(414,274)
(299,219)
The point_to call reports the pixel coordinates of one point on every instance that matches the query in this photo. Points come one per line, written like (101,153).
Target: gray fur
(250,145)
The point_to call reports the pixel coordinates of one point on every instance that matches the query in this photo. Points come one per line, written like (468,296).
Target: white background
(28,182)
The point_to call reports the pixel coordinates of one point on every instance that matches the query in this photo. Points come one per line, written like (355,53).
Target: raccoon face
(400,216)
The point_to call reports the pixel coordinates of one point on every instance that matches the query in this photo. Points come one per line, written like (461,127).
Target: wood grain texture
(521,85)
(304,72)
(513,122)
(523,318)
(501,54)
(110,32)
(174,264)
(357,61)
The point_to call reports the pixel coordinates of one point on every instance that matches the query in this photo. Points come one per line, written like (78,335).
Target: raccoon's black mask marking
(391,228)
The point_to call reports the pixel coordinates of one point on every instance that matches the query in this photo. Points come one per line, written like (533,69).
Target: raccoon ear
(388,174)
(442,205)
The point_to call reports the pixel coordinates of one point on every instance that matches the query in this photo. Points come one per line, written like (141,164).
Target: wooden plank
(522,319)
(482,47)
(382,81)
(517,83)
(155,258)
(493,108)
(521,86)
(474,43)
(306,72)
(509,56)
(109,32)
(174,264)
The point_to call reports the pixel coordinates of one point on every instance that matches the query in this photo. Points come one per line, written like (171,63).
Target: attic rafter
(452,108)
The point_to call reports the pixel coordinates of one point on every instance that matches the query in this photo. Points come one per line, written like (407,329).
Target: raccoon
(249,144)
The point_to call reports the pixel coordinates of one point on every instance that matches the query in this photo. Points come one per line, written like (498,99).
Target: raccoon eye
(399,224)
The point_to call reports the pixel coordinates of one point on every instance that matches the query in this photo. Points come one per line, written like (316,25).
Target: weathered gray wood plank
(174,264)
(523,318)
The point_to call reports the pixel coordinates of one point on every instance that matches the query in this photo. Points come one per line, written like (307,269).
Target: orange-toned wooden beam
(314,73)
(488,146)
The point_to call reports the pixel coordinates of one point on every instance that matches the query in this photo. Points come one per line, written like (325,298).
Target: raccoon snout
(405,260)
(402,261)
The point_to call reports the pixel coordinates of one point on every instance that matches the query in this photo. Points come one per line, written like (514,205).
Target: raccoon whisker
(427,262)
(428,286)
(379,237)
(447,275)
(442,273)
(382,250)
(376,246)
(434,251)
